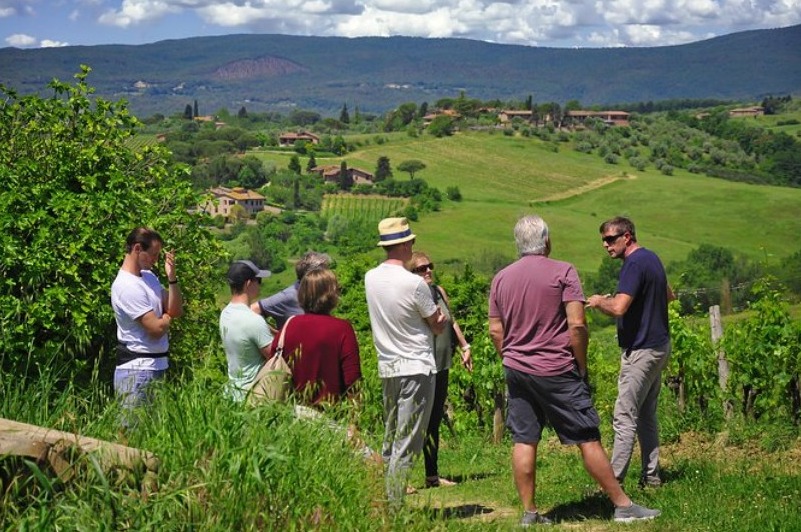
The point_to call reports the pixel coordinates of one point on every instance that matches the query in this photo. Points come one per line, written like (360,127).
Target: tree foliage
(707,277)
(345,177)
(72,192)
(442,126)
(383,169)
(412,166)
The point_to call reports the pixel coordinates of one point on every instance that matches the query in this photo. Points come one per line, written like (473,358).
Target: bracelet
(466,347)
(173,282)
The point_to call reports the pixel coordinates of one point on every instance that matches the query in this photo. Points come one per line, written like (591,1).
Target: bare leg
(524,469)
(597,465)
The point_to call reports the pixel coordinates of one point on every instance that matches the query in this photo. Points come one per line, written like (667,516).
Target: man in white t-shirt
(245,335)
(403,318)
(144,311)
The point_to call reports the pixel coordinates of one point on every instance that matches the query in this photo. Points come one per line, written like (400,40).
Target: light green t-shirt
(243,334)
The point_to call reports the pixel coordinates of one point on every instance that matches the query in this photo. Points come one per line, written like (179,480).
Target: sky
(551,23)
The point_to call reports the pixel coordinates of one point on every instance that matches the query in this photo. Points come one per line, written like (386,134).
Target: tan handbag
(274,380)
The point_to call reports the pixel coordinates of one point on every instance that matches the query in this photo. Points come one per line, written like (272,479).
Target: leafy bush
(453,193)
(611,158)
(764,351)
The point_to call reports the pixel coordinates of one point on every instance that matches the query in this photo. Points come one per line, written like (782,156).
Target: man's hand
(169,265)
(595,301)
(615,306)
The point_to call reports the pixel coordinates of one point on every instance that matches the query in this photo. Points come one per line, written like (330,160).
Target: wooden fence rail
(49,446)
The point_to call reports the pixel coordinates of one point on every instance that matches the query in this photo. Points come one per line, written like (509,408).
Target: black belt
(125,355)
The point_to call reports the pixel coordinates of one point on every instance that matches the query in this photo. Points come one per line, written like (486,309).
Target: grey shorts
(561,401)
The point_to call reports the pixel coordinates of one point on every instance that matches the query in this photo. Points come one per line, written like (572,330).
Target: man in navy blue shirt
(641,308)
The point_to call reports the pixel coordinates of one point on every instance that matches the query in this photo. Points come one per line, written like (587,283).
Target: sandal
(437,482)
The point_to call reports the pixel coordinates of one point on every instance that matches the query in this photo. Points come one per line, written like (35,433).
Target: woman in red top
(321,349)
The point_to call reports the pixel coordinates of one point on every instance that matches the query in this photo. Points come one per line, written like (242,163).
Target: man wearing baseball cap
(245,336)
(403,318)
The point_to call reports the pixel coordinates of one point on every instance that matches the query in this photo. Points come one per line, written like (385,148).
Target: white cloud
(7,11)
(47,43)
(20,40)
(134,12)
(541,22)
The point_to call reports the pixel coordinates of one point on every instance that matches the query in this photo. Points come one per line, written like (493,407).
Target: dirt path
(592,185)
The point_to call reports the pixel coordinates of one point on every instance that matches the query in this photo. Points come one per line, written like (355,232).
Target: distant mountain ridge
(281,72)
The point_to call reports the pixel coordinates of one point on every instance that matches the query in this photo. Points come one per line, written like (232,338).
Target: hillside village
(241,200)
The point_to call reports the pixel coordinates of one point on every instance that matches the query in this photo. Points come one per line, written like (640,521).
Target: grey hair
(312,260)
(531,235)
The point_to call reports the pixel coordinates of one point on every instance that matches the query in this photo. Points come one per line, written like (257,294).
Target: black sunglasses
(423,268)
(611,238)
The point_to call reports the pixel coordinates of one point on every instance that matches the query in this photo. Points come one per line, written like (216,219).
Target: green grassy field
(504,177)
(772,122)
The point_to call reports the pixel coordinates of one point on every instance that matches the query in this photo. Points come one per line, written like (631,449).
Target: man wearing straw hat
(404,318)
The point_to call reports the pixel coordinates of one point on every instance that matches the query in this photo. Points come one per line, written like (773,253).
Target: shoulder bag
(274,380)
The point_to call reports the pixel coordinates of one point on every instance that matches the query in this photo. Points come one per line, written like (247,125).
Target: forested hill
(279,72)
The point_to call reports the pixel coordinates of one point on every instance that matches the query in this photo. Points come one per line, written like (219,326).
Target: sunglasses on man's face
(424,268)
(610,239)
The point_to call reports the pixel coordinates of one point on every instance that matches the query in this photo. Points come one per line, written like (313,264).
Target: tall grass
(223,467)
(228,467)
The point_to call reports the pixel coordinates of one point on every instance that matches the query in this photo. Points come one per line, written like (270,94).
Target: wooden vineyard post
(497,418)
(716,327)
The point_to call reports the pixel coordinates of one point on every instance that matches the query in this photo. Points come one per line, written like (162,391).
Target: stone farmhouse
(225,198)
(330,174)
(747,111)
(611,118)
(210,119)
(452,113)
(507,116)
(288,139)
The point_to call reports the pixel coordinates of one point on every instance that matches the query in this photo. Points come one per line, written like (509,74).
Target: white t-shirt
(399,302)
(132,297)
(244,333)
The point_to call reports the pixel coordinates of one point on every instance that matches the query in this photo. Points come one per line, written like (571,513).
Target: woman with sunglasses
(444,346)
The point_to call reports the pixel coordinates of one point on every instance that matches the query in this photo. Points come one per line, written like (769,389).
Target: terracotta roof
(237,193)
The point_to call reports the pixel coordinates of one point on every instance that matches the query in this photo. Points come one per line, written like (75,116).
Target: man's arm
(436,322)
(579,336)
(615,306)
(670,295)
(496,333)
(174,300)
(155,327)
(265,352)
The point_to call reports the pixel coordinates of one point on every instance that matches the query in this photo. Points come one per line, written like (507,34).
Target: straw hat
(393,231)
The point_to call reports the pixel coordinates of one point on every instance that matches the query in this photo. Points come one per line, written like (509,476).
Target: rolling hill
(279,72)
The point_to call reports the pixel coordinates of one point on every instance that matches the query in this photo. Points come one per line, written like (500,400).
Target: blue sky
(563,23)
